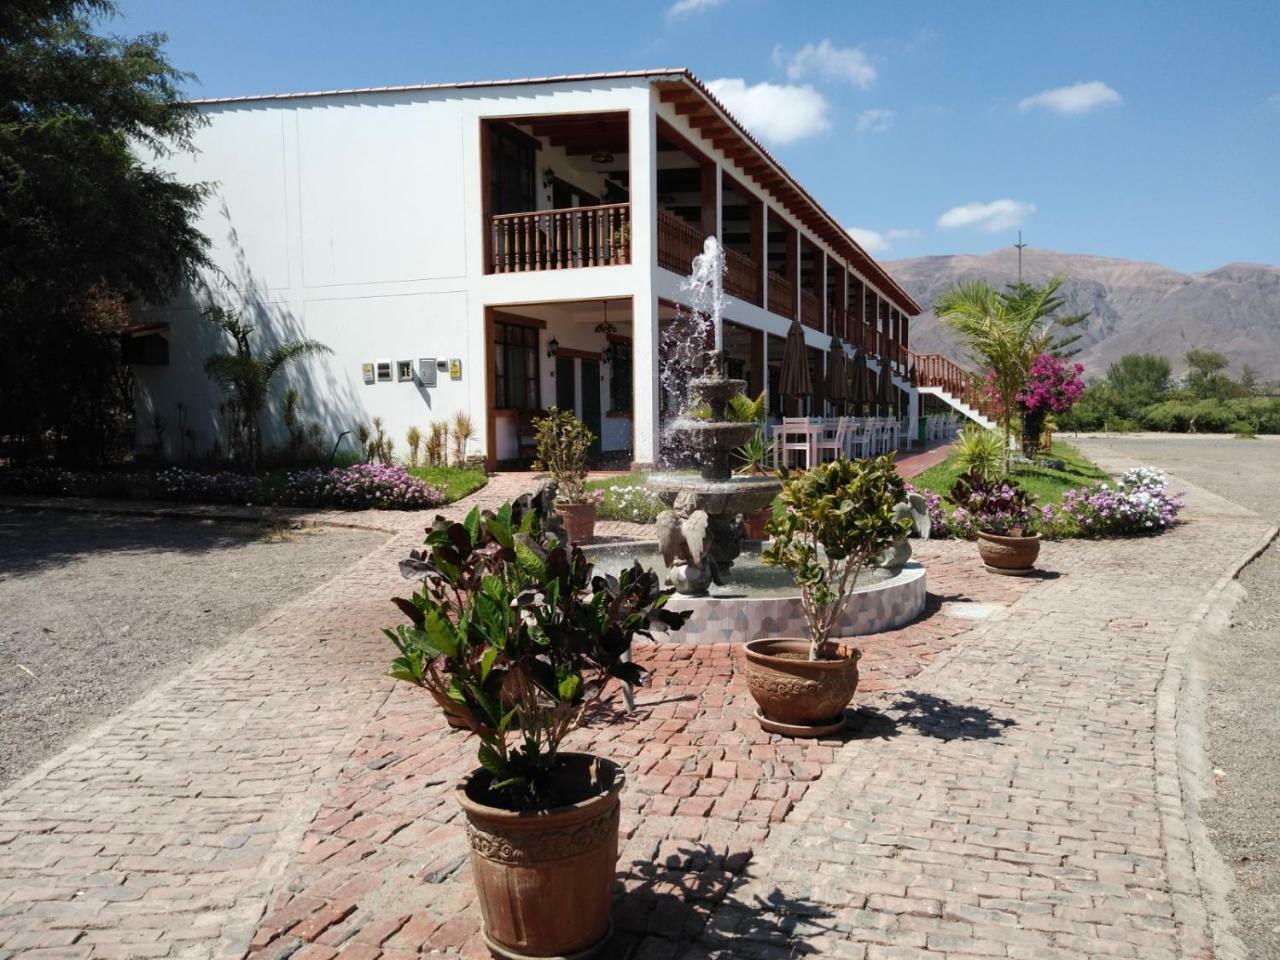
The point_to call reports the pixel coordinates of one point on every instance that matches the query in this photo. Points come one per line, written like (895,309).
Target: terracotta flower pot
(1009,555)
(798,696)
(753,524)
(579,520)
(545,878)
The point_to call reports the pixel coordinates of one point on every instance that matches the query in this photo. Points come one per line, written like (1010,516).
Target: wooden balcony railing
(935,370)
(561,239)
(810,310)
(678,243)
(782,296)
(741,276)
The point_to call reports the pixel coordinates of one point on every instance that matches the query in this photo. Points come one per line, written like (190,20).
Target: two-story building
(500,247)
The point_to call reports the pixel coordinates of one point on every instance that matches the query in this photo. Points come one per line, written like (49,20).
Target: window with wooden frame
(516,371)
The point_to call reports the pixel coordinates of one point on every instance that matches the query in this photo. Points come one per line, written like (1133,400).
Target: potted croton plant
(514,637)
(1003,516)
(563,441)
(838,519)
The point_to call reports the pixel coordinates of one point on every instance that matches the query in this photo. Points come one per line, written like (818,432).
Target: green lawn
(456,482)
(1048,485)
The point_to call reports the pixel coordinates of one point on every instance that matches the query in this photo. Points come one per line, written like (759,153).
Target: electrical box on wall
(427,371)
(366,370)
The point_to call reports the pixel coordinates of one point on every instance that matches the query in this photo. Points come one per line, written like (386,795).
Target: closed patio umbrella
(860,394)
(884,396)
(837,375)
(793,378)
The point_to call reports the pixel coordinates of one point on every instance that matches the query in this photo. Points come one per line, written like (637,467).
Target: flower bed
(622,501)
(1138,503)
(359,487)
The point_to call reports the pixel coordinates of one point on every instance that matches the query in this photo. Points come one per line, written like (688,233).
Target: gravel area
(1239,668)
(100,609)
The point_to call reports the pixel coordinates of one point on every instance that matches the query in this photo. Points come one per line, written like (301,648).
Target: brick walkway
(1008,789)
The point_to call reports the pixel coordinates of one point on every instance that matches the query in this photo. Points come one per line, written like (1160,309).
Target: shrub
(838,518)
(413,437)
(359,487)
(513,636)
(563,441)
(630,502)
(438,444)
(463,430)
(939,523)
(192,486)
(1138,503)
(1000,507)
(980,451)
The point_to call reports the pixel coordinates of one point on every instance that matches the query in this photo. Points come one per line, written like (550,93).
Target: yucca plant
(463,430)
(413,436)
(248,378)
(981,451)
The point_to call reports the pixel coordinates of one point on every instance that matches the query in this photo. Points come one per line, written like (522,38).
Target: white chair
(904,433)
(794,436)
(880,434)
(831,441)
(858,438)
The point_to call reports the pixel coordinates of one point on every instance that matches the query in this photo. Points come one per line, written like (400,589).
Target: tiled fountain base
(886,605)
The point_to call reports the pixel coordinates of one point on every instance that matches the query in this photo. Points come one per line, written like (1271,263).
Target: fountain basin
(762,601)
(717,497)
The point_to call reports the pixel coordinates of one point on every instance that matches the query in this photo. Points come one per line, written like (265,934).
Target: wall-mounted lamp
(553,347)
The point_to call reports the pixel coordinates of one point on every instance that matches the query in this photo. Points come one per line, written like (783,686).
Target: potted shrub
(755,455)
(563,441)
(1003,516)
(513,635)
(839,519)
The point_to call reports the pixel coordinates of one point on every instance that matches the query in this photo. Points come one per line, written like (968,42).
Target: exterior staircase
(961,390)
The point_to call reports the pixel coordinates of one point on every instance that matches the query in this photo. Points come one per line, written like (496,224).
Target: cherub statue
(916,508)
(686,550)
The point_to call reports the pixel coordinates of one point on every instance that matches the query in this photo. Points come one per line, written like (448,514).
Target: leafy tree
(1249,383)
(1138,380)
(1005,331)
(1205,379)
(87,226)
(246,377)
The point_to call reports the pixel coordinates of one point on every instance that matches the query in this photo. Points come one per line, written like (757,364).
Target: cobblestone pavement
(1008,788)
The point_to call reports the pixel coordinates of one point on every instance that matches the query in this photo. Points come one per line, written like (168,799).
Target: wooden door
(590,414)
(566,384)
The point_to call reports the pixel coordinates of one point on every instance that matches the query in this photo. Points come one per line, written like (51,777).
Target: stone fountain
(700,534)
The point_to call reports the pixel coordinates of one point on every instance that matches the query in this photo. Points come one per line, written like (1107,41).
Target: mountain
(1135,307)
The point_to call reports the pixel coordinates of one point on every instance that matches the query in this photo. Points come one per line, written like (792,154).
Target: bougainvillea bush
(359,487)
(1138,503)
(1053,385)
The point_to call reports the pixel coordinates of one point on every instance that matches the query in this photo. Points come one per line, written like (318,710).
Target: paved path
(1010,790)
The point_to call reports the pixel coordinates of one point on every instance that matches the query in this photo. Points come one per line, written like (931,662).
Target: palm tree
(1005,331)
(248,378)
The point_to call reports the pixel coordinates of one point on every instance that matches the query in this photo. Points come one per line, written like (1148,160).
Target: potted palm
(563,441)
(838,519)
(1003,516)
(755,455)
(513,635)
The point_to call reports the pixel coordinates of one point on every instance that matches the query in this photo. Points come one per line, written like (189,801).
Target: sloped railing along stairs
(961,390)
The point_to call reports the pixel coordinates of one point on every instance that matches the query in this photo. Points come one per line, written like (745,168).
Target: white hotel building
(500,247)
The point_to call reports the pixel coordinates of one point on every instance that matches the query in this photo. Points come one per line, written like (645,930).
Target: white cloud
(846,64)
(874,121)
(778,113)
(685,8)
(876,242)
(1074,99)
(991,217)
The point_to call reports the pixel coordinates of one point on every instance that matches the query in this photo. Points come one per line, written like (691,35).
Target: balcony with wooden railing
(560,239)
(741,277)
(935,370)
(679,242)
(782,296)
(810,310)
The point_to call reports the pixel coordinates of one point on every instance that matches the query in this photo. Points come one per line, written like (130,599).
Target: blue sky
(1143,129)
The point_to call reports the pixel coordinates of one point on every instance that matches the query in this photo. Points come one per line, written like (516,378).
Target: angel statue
(686,550)
(916,508)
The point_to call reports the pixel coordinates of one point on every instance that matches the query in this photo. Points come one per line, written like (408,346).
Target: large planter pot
(579,520)
(754,523)
(798,696)
(1009,555)
(546,878)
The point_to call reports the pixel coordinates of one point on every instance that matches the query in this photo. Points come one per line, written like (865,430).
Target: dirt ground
(97,610)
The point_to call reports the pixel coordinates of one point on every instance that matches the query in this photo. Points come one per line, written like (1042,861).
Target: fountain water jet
(700,536)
